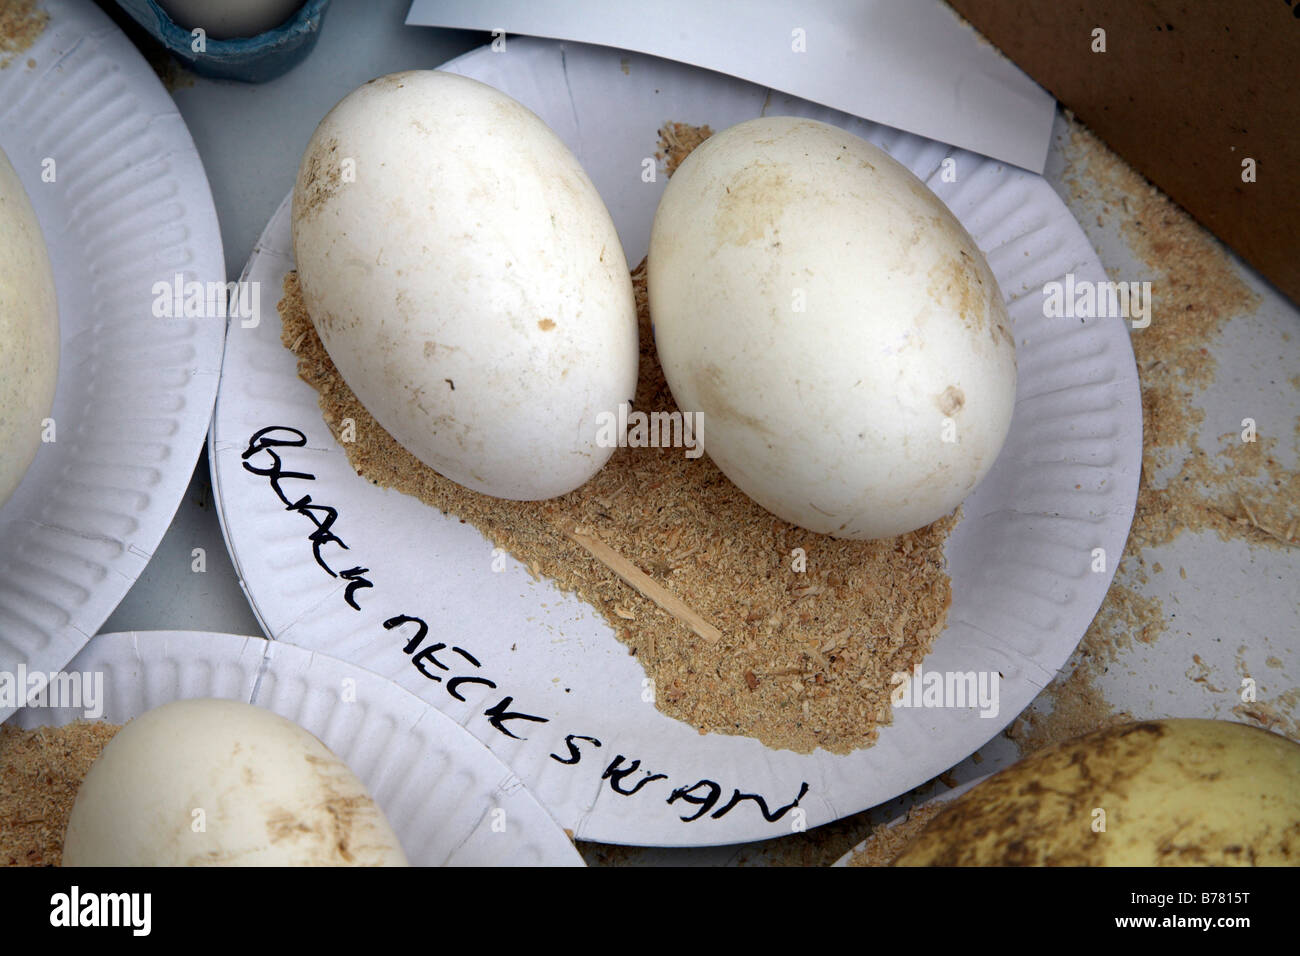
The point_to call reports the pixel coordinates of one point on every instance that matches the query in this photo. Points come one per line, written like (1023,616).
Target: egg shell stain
(1037,811)
(956,285)
(754,203)
(951,400)
(715,399)
(322,177)
(1028,820)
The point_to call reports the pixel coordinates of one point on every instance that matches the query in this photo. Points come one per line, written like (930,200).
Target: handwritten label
(458,671)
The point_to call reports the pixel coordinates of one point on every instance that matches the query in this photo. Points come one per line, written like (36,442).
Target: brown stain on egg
(546,324)
(395,80)
(754,202)
(324,321)
(717,399)
(284,824)
(1024,817)
(432,348)
(1000,331)
(1040,812)
(955,284)
(951,400)
(320,179)
(334,825)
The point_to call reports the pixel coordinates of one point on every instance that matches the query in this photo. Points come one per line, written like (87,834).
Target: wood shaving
(676,140)
(1271,709)
(1271,716)
(805,659)
(40,773)
(1077,708)
(885,844)
(21,22)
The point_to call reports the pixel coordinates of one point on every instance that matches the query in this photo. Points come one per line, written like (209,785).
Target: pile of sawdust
(21,22)
(676,141)
(886,843)
(40,773)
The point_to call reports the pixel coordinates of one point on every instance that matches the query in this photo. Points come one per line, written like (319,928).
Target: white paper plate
(129,206)
(1020,560)
(450,801)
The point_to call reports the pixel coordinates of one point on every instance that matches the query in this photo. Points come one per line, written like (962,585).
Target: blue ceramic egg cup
(252,59)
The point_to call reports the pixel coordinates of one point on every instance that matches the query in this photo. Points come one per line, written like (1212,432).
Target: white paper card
(910,64)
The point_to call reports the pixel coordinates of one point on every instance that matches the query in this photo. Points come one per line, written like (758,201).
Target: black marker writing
(615,775)
(770,817)
(704,801)
(455,682)
(498,715)
(574,754)
(355,581)
(422,630)
(429,654)
(261,458)
(262,443)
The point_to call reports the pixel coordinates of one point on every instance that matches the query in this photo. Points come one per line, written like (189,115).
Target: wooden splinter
(643,583)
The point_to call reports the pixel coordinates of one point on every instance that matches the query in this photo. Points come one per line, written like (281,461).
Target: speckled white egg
(467,281)
(29,332)
(839,330)
(211,782)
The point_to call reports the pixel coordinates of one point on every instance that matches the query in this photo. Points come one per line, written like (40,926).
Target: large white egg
(210,782)
(837,327)
(467,282)
(29,332)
